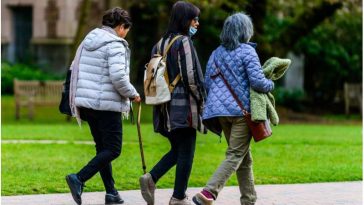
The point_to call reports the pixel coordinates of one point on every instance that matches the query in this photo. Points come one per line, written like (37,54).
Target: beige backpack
(157,88)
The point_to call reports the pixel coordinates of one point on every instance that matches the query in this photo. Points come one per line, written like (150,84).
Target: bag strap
(170,45)
(219,73)
(172,85)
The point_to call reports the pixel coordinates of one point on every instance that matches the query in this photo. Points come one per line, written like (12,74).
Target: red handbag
(259,130)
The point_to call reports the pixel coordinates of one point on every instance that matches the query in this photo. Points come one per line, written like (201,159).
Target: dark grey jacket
(184,109)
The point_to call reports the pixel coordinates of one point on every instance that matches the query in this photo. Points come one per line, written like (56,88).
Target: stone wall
(54,25)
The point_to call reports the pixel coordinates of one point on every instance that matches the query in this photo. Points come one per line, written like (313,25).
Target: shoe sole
(73,192)
(110,203)
(198,201)
(194,199)
(147,196)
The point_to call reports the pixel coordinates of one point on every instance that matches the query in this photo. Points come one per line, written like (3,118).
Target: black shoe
(76,187)
(113,199)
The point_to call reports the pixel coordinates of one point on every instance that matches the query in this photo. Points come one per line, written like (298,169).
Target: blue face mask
(192,31)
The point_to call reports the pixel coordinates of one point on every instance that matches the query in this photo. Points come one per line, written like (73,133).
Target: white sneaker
(147,187)
(175,201)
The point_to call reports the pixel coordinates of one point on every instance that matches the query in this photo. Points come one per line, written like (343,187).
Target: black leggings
(106,130)
(183,142)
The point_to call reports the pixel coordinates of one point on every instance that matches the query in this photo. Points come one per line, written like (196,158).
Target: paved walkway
(45,142)
(53,142)
(345,193)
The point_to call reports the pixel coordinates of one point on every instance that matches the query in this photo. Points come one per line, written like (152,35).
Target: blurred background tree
(333,53)
(326,32)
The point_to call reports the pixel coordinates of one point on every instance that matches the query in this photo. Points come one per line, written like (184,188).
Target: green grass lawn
(294,154)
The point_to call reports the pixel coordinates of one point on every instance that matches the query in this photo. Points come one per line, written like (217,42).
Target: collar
(252,44)
(110,30)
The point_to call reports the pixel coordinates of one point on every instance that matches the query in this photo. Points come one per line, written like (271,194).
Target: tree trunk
(107,4)
(84,13)
(257,9)
(145,33)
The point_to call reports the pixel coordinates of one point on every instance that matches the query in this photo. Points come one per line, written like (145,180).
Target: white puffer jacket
(103,80)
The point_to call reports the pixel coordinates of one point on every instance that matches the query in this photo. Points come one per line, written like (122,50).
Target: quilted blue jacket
(242,69)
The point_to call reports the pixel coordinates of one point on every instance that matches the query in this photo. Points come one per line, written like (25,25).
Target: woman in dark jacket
(179,118)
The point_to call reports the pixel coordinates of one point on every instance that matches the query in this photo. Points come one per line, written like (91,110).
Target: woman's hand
(136,99)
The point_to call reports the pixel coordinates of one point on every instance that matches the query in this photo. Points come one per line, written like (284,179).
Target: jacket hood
(100,37)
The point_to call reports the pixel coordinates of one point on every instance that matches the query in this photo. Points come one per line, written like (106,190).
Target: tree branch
(257,9)
(85,9)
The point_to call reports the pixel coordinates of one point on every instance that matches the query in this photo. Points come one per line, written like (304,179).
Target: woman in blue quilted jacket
(238,61)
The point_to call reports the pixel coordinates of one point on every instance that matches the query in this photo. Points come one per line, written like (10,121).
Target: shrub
(289,98)
(22,72)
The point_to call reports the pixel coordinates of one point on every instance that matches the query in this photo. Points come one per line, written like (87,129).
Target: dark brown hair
(181,16)
(115,17)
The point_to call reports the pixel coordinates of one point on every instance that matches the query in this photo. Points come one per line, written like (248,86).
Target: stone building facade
(42,31)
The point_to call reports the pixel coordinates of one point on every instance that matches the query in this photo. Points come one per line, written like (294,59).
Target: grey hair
(238,28)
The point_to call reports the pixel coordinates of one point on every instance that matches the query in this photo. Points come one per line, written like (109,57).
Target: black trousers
(106,129)
(183,142)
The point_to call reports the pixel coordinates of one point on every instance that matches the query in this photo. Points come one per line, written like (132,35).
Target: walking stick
(140,139)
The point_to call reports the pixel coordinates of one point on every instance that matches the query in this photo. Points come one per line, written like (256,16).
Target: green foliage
(22,72)
(289,98)
(333,54)
(332,50)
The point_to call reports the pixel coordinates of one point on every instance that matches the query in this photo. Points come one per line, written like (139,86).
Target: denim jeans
(106,129)
(182,151)
(238,159)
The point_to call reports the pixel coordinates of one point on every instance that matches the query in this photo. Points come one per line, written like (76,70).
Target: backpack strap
(170,45)
(178,77)
(174,83)
(159,44)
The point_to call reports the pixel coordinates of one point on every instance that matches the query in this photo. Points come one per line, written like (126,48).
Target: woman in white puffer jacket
(103,79)
(102,93)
